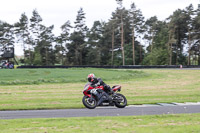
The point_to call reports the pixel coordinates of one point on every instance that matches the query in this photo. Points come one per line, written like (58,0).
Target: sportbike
(97,96)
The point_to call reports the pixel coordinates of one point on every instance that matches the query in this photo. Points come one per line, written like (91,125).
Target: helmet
(91,77)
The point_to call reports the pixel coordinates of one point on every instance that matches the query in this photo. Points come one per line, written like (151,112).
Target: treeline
(125,39)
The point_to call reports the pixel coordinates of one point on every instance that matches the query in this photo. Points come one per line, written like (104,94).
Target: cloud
(57,12)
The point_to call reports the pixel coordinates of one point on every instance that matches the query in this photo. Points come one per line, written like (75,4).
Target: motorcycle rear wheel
(120,100)
(89,102)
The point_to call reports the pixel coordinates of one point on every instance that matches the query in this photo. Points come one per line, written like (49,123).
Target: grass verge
(181,123)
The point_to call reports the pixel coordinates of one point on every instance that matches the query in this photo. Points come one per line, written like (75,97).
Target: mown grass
(139,86)
(181,123)
(38,76)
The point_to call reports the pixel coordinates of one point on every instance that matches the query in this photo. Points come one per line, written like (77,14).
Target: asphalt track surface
(103,111)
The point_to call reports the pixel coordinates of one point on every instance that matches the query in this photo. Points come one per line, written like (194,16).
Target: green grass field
(181,123)
(23,89)
(73,75)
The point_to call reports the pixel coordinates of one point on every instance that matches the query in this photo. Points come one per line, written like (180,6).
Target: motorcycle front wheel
(120,100)
(89,102)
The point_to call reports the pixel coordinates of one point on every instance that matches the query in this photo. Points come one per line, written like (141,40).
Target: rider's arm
(100,82)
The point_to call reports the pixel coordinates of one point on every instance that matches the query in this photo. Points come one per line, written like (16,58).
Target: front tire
(120,100)
(89,102)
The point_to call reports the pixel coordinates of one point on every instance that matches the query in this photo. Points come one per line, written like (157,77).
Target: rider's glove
(97,84)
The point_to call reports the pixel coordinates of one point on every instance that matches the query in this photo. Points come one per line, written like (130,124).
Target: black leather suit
(99,82)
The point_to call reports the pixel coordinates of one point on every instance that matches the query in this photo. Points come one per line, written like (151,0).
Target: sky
(57,12)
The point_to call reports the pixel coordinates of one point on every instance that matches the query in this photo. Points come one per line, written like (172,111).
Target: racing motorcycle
(97,96)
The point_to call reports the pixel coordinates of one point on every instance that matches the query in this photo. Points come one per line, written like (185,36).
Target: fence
(116,67)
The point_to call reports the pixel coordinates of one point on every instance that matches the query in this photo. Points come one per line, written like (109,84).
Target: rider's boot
(111,92)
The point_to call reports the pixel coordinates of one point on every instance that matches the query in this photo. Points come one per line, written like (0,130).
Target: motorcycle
(97,96)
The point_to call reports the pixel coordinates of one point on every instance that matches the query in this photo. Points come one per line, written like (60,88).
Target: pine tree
(94,46)
(36,28)
(195,48)
(113,27)
(76,54)
(137,21)
(178,21)
(62,42)
(7,36)
(22,32)
(45,47)
(158,50)
(119,2)
(189,14)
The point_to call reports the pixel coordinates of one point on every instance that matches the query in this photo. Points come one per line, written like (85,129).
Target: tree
(22,31)
(178,22)
(36,29)
(137,21)
(62,42)
(45,47)
(76,48)
(195,48)
(131,19)
(112,28)
(105,44)
(171,42)
(189,15)
(151,30)
(7,35)
(120,8)
(94,46)
(158,54)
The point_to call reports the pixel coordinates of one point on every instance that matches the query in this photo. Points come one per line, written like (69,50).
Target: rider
(98,82)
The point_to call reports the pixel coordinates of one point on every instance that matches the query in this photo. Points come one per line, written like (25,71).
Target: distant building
(7,53)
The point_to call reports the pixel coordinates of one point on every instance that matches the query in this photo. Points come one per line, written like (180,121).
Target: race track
(103,111)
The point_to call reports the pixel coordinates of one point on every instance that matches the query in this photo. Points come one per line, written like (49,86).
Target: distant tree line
(125,39)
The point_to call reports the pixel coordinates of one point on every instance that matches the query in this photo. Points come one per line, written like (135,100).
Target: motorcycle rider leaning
(98,82)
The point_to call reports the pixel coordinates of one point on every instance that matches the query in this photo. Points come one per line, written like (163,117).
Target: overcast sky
(57,12)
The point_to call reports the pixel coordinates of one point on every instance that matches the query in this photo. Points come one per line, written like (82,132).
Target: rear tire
(120,100)
(89,102)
